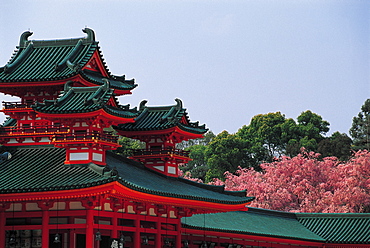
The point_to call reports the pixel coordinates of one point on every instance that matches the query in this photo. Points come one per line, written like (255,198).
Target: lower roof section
(253,222)
(349,228)
(41,169)
(314,227)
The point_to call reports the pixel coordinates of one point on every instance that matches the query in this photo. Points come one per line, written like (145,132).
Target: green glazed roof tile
(136,176)
(258,222)
(50,60)
(83,100)
(29,171)
(40,64)
(42,168)
(338,228)
(114,81)
(163,117)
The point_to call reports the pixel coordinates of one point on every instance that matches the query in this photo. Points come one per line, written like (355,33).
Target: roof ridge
(89,39)
(332,215)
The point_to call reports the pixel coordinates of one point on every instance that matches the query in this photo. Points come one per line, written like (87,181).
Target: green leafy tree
(360,130)
(265,133)
(337,145)
(197,167)
(308,133)
(226,152)
(312,126)
(128,146)
(207,137)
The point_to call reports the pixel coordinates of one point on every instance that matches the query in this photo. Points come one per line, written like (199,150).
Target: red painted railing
(179,152)
(15,105)
(106,136)
(32,130)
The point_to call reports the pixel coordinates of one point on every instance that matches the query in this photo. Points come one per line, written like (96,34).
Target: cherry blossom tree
(307,184)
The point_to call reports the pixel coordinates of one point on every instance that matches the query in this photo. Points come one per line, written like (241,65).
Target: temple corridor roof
(332,228)
(41,168)
(338,228)
(253,222)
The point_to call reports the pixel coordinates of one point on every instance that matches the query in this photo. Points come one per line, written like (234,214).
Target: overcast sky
(227,60)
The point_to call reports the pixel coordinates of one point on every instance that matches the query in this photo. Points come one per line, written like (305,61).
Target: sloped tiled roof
(32,169)
(163,117)
(82,100)
(258,222)
(347,228)
(38,60)
(51,60)
(343,228)
(41,168)
(116,82)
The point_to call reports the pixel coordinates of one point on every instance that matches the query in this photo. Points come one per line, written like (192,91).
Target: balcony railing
(106,136)
(16,105)
(32,130)
(165,151)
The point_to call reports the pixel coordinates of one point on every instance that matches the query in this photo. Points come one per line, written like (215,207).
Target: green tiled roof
(28,170)
(49,60)
(9,122)
(82,100)
(42,168)
(258,222)
(115,82)
(40,61)
(136,176)
(338,228)
(163,117)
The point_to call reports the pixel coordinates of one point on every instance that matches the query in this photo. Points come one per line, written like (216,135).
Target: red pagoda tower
(67,100)
(161,128)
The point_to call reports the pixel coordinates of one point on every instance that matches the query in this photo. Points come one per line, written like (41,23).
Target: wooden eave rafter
(162,156)
(99,64)
(114,120)
(117,190)
(27,84)
(12,87)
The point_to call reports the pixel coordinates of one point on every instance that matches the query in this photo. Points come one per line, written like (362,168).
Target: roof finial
(142,105)
(179,104)
(24,38)
(90,34)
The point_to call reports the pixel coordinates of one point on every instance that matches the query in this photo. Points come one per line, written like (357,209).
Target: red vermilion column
(45,228)
(114,233)
(71,232)
(158,235)
(72,238)
(178,238)
(137,239)
(2,229)
(89,227)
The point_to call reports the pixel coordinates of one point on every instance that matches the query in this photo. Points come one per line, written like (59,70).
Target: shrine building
(61,184)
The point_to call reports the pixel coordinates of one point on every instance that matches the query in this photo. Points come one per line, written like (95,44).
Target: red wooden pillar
(178,236)
(137,238)
(72,238)
(90,227)
(114,233)
(2,229)
(45,206)
(158,235)
(45,228)
(71,232)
